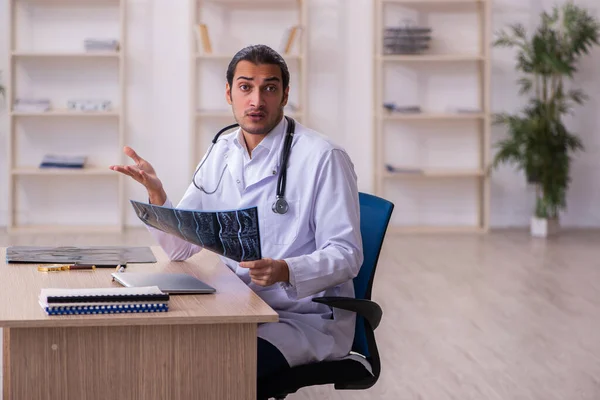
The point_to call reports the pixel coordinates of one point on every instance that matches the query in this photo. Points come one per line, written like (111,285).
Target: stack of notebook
(56,161)
(104,300)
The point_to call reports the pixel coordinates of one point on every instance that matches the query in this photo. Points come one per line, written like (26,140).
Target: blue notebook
(149,299)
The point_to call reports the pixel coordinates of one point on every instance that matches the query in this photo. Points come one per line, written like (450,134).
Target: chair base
(343,374)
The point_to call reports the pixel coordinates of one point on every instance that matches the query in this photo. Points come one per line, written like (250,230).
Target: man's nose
(257,98)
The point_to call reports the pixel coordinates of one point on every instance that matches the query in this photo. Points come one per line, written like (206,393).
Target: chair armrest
(368,309)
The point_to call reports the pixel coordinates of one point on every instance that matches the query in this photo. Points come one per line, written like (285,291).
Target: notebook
(165,281)
(55,301)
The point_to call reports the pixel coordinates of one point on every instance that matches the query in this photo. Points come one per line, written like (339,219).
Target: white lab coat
(319,237)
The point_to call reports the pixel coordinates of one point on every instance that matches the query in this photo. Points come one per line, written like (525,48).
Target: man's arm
(336,219)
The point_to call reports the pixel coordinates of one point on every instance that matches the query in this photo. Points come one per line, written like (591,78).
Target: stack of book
(92,44)
(57,161)
(89,105)
(32,105)
(104,300)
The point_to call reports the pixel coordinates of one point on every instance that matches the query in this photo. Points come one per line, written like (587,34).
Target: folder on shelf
(202,38)
(71,301)
(289,39)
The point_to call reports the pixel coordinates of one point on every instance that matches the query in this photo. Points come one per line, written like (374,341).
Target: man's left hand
(267,271)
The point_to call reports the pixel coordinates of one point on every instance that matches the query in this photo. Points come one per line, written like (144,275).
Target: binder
(148,299)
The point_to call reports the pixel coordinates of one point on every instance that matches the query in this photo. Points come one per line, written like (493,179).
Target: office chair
(349,373)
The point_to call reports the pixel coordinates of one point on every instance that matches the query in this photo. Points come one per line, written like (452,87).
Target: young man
(314,249)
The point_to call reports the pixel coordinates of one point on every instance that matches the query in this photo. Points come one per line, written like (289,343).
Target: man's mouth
(256,116)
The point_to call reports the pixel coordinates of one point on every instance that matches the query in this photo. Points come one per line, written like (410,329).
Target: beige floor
(500,316)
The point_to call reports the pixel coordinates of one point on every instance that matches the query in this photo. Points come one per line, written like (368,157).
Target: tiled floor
(499,316)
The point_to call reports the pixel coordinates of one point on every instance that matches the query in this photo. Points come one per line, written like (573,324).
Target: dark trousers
(269,359)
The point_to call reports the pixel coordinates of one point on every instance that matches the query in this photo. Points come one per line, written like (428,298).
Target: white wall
(340,81)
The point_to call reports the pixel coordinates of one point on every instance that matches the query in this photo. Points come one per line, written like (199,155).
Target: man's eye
(271,88)
(244,87)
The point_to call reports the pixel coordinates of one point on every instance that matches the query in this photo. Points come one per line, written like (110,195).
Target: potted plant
(538,142)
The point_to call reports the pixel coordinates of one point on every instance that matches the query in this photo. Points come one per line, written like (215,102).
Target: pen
(61,267)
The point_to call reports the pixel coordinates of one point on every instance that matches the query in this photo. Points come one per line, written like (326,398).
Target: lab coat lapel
(235,166)
(268,171)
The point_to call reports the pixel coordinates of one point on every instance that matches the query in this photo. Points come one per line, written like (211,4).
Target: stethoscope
(280,206)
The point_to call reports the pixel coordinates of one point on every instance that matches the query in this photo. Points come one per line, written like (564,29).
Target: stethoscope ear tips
(280,206)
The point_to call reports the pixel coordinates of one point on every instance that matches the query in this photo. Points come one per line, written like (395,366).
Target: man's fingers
(121,169)
(132,154)
(261,282)
(255,264)
(248,264)
(257,274)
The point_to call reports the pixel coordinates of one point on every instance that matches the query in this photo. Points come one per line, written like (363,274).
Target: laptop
(166,282)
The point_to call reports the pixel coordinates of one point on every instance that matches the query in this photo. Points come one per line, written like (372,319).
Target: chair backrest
(375,214)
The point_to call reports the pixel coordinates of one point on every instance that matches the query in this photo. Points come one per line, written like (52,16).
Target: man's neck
(252,140)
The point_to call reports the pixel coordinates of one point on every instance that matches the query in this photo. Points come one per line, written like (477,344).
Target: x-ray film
(232,234)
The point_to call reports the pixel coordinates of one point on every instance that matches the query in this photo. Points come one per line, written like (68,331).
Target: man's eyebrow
(273,78)
(245,77)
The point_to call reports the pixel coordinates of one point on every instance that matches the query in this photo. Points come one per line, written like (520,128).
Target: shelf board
(35,171)
(431,116)
(432,58)
(431,229)
(435,173)
(81,54)
(229,115)
(228,57)
(436,2)
(66,113)
(52,229)
(253,2)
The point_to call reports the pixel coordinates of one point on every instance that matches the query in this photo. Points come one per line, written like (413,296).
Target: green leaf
(525,85)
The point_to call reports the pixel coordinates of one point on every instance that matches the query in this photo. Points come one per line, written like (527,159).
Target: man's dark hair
(259,54)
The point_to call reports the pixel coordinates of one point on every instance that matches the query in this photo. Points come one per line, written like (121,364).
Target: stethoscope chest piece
(280,206)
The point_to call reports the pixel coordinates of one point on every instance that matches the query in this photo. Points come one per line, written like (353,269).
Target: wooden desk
(204,347)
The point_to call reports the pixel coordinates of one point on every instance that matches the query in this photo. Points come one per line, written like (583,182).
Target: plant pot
(544,227)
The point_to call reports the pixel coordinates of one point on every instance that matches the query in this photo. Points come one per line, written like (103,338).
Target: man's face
(257,97)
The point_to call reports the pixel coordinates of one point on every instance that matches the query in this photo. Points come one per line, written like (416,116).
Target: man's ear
(286,94)
(228,93)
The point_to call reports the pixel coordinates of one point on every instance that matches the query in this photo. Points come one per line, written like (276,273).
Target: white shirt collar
(269,142)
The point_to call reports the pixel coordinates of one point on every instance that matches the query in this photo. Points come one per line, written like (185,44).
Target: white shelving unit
(231,26)
(48,60)
(438,156)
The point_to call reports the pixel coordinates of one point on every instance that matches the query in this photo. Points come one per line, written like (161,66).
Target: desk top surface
(234,302)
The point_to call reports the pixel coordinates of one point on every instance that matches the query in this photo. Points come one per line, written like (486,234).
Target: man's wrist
(285,272)
(157,197)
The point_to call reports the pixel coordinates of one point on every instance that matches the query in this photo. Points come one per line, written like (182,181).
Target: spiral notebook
(147,299)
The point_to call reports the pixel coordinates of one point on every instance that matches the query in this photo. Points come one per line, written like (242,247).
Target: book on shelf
(89,105)
(32,105)
(100,45)
(464,110)
(62,161)
(121,300)
(290,38)
(403,170)
(202,39)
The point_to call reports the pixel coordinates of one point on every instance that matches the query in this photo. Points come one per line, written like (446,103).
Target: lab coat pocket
(280,229)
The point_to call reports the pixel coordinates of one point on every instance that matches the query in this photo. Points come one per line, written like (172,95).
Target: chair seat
(341,373)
